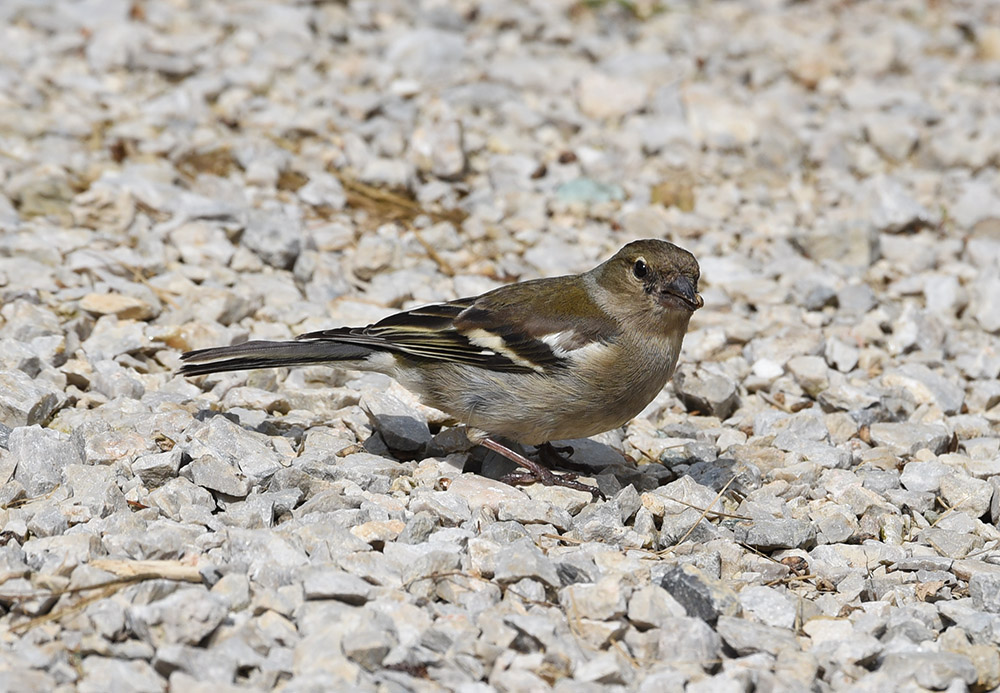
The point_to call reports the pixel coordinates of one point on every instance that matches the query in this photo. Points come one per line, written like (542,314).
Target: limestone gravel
(812,504)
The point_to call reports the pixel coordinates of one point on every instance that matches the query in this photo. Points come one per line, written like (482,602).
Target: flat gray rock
(780,533)
(906,439)
(401,426)
(26,402)
(330,583)
(214,474)
(523,559)
(41,456)
(185,617)
(707,393)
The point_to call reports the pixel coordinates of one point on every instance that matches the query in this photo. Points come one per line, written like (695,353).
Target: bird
(547,359)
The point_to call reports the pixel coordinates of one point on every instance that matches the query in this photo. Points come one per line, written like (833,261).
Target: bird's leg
(536,473)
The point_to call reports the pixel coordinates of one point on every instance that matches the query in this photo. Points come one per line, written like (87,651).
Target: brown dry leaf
(291,180)
(926,590)
(796,564)
(218,162)
(824,585)
(678,192)
(386,205)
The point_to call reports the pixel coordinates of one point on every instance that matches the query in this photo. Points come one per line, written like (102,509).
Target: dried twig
(388,204)
(150,570)
(716,513)
(433,254)
(706,510)
(129,572)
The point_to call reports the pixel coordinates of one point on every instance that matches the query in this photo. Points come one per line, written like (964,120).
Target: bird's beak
(681,290)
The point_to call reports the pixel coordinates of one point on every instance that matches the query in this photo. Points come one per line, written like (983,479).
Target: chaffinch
(547,359)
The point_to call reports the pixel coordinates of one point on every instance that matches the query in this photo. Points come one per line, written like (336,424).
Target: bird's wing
(496,331)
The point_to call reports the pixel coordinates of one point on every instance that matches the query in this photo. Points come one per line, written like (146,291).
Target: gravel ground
(812,504)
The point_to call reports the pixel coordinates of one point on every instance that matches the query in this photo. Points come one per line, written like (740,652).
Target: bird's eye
(640,269)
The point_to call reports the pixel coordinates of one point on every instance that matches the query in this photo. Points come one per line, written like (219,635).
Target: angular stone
(235,588)
(275,237)
(481,492)
(950,543)
(41,456)
(527,511)
(841,355)
(95,492)
(449,508)
(967,494)
(603,96)
(768,605)
(377,532)
(237,446)
(402,427)
(26,402)
(934,670)
(984,588)
(332,583)
(606,669)
(437,147)
(255,398)
(748,637)
(101,674)
(855,299)
(178,494)
(421,575)
(186,616)
(47,522)
(779,533)
(113,381)
(984,308)
(369,646)
(924,476)
(602,522)
(207,665)
(158,468)
(850,242)
(125,307)
(209,472)
(112,337)
(701,596)
(522,559)
(706,392)
(323,190)
(688,641)
(811,373)
(926,386)
(907,438)
(892,209)
(419,528)
(601,601)
(651,606)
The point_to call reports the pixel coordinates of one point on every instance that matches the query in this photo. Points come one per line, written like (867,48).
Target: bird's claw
(537,473)
(549,478)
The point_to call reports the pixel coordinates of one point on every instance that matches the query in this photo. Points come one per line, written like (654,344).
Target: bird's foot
(538,473)
(557,456)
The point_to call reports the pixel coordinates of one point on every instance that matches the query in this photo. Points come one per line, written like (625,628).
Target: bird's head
(653,278)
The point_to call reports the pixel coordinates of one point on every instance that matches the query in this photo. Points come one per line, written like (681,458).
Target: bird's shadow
(612,470)
(589,458)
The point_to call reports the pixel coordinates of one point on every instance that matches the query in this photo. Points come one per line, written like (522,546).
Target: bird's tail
(261,354)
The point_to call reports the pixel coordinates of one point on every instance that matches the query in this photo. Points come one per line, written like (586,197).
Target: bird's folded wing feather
(493,331)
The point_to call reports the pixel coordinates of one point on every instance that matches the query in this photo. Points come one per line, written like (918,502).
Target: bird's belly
(533,409)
